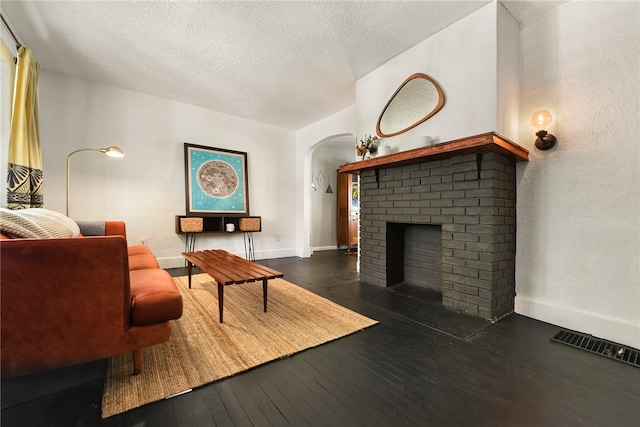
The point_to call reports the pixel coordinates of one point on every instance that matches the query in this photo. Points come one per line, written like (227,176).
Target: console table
(191,226)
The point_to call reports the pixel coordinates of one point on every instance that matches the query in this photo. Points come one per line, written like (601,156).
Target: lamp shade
(112,151)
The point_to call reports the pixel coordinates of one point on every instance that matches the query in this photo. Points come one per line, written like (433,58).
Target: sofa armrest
(115,228)
(61,295)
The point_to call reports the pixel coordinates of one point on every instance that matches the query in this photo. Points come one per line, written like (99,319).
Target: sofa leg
(137,361)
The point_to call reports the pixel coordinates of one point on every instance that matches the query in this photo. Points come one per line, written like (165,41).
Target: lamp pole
(111,151)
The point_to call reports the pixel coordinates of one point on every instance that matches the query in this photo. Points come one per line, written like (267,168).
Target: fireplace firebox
(414,255)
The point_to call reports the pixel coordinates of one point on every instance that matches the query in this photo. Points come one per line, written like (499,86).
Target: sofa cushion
(92,228)
(141,257)
(142,262)
(155,297)
(139,249)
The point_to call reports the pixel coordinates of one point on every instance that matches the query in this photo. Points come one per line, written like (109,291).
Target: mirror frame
(437,108)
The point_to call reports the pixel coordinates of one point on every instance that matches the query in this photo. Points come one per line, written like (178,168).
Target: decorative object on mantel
(540,119)
(424,141)
(383,148)
(417,99)
(368,145)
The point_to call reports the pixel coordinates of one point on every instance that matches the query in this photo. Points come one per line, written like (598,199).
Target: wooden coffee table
(229,269)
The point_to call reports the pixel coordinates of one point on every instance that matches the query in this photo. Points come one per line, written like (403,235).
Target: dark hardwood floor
(421,365)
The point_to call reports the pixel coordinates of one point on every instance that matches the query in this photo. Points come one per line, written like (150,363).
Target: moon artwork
(216,181)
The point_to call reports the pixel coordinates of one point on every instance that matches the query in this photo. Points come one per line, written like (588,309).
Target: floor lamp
(111,151)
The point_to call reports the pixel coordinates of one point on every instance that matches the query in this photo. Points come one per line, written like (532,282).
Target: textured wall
(578,203)
(462,59)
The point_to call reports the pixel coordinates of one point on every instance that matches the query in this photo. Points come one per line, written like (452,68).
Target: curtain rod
(13,36)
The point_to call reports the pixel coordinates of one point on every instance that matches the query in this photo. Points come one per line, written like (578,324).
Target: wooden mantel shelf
(484,143)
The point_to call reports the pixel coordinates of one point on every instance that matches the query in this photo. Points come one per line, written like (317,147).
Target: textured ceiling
(284,63)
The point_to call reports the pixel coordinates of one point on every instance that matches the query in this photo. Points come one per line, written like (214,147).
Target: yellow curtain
(24,181)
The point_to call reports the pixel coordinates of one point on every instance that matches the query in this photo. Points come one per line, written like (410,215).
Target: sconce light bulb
(540,119)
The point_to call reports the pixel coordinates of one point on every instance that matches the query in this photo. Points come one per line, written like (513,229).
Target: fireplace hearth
(444,218)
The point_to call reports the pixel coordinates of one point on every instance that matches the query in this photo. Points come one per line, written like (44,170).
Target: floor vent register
(599,346)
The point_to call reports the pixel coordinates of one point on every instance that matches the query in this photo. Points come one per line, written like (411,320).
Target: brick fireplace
(443,217)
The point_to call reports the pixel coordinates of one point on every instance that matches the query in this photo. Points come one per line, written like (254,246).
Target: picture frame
(216,181)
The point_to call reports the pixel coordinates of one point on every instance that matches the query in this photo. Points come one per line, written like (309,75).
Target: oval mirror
(418,98)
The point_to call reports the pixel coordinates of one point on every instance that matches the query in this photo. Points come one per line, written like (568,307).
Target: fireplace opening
(414,255)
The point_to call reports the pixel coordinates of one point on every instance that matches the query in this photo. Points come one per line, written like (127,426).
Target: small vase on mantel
(383,149)
(361,152)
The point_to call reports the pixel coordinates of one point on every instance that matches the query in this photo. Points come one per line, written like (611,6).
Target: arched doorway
(319,214)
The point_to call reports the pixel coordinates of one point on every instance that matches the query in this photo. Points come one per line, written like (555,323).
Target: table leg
(264,293)
(220,299)
(189,272)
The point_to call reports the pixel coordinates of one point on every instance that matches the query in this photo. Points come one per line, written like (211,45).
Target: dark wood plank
(289,411)
(233,407)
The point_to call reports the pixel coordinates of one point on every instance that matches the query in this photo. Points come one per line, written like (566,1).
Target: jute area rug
(202,350)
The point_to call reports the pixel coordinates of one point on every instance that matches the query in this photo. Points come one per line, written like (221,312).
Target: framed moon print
(216,181)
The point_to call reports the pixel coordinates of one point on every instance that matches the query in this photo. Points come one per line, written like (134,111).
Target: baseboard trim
(324,248)
(615,330)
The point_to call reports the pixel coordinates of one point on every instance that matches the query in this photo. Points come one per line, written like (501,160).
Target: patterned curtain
(24,180)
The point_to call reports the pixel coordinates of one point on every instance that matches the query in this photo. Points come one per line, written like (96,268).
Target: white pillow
(38,223)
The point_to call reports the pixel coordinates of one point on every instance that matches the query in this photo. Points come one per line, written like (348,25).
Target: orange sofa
(67,301)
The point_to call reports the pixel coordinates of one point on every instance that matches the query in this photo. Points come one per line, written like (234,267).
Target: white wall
(326,159)
(508,75)
(146,188)
(462,58)
(578,216)
(307,141)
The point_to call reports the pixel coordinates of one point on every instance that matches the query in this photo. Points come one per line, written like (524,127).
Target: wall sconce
(540,119)
(111,151)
